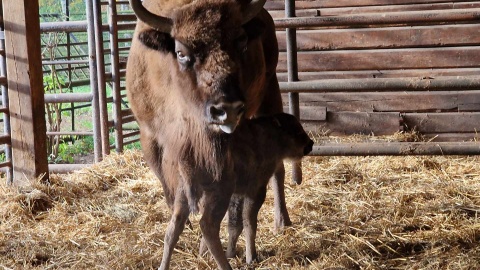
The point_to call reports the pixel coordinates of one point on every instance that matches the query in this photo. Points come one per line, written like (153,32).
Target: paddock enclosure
(388,89)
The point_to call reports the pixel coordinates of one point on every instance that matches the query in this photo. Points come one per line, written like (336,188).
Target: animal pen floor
(349,213)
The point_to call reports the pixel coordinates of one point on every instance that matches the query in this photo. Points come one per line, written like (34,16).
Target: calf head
(207,43)
(292,137)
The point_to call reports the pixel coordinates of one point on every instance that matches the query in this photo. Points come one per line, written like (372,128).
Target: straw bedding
(349,213)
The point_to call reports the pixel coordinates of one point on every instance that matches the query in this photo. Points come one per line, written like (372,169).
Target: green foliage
(135,145)
(77,7)
(67,150)
(52,83)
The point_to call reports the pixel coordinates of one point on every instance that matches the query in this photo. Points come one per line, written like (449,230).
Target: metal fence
(5,139)
(294,87)
(107,50)
(104,65)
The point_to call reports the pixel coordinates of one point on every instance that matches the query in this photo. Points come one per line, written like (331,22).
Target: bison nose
(226,114)
(308,148)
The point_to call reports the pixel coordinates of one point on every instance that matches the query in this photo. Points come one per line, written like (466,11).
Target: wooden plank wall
(394,51)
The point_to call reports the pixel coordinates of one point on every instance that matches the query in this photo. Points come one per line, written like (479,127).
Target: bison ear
(254,28)
(157,40)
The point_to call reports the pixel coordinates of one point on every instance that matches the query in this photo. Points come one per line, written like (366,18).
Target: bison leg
(235,223)
(215,207)
(251,207)
(175,227)
(282,218)
(153,154)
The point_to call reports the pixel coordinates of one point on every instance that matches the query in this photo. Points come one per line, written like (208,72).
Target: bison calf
(259,147)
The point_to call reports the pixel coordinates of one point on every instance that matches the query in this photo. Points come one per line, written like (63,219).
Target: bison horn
(159,23)
(252,10)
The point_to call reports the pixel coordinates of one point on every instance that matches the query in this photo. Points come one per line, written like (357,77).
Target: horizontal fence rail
(411,17)
(68,97)
(445,83)
(397,149)
(408,82)
(68,26)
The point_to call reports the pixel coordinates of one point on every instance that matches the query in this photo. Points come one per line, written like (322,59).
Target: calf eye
(242,43)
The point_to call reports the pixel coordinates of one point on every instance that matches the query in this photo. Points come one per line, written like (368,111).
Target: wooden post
(25,90)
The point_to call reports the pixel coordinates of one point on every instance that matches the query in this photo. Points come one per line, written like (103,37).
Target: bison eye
(183,58)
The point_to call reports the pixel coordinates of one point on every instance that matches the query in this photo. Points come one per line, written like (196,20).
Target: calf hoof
(202,251)
(251,259)
(231,253)
(281,224)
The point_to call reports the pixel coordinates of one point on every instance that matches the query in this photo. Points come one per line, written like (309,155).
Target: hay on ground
(349,213)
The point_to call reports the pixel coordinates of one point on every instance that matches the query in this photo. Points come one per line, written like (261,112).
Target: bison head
(208,43)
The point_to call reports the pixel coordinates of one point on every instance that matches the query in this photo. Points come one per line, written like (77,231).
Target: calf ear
(254,28)
(157,40)
(276,122)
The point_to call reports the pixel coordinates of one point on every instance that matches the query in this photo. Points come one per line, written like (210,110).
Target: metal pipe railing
(97,141)
(69,133)
(68,97)
(5,103)
(65,168)
(8,165)
(69,26)
(64,62)
(292,67)
(411,17)
(115,74)
(397,149)
(102,88)
(444,83)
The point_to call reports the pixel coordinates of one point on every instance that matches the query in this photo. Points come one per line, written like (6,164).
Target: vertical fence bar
(4,91)
(292,65)
(102,89)
(97,140)
(116,89)
(66,11)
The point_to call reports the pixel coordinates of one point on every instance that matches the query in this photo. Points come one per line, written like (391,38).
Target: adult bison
(195,69)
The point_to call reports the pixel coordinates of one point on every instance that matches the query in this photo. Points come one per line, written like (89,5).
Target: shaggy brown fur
(259,147)
(172,80)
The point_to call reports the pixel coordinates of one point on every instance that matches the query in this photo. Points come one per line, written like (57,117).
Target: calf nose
(308,148)
(226,114)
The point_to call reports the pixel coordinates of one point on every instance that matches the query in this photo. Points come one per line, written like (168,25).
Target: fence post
(25,90)
(97,133)
(293,98)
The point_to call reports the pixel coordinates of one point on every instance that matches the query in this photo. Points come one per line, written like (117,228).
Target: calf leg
(282,218)
(235,223)
(175,228)
(214,210)
(203,247)
(272,104)
(251,207)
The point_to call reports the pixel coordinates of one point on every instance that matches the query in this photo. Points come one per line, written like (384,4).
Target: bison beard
(190,77)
